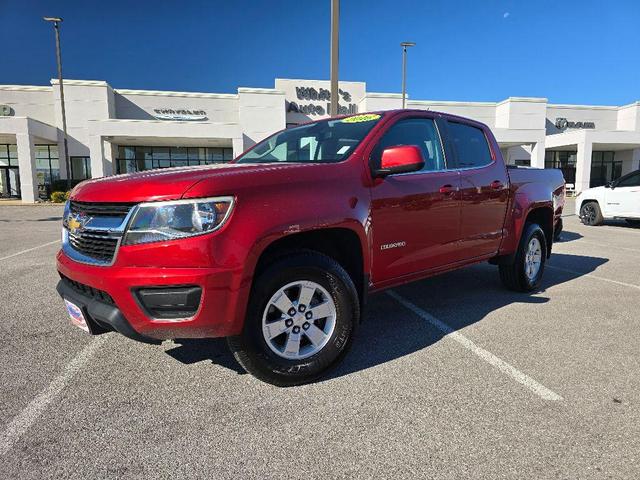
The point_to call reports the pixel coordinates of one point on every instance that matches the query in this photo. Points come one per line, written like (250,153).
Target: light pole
(404,46)
(335,39)
(56,21)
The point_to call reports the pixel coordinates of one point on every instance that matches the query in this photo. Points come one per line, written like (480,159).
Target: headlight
(158,221)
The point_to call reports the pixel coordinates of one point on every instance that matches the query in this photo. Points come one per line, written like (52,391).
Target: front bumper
(216,316)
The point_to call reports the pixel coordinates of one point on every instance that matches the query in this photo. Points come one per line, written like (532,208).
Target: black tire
(513,275)
(557,231)
(590,214)
(633,222)
(251,349)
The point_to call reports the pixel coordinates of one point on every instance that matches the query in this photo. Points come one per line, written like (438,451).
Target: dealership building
(114,131)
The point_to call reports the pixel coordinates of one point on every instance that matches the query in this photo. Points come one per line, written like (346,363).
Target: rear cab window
(470,145)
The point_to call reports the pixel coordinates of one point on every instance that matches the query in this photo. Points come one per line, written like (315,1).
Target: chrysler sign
(179,114)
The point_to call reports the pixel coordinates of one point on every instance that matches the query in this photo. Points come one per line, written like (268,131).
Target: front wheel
(300,320)
(525,273)
(590,214)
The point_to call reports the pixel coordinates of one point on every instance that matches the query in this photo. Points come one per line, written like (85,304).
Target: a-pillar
(583,165)
(27,163)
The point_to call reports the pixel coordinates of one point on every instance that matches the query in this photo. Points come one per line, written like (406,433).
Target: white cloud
(506,14)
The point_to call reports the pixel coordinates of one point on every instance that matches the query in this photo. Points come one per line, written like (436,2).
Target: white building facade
(118,131)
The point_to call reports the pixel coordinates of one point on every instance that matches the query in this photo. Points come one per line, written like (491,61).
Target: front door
(624,199)
(9,182)
(415,216)
(483,191)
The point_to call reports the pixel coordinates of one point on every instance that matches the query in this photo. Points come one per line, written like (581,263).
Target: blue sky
(568,51)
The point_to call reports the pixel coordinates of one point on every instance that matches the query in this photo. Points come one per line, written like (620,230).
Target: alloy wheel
(533,258)
(299,320)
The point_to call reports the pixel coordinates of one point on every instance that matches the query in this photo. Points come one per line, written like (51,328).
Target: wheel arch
(343,244)
(543,216)
(588,200)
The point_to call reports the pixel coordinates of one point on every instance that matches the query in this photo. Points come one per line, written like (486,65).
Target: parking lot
(450,377)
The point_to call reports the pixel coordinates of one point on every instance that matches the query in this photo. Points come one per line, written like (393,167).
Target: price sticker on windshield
(361,118)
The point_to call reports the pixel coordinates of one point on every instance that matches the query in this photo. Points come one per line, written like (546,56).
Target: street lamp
(335,40)
(404,46)
(56,21)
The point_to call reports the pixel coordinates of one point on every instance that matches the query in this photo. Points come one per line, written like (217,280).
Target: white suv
(618,199)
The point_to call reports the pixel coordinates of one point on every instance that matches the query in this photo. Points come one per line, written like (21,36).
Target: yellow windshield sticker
(361,118)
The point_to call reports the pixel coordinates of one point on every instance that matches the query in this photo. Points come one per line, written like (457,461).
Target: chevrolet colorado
(279,249)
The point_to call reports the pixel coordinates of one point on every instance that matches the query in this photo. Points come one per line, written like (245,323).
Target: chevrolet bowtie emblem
(77,222)
(74,225)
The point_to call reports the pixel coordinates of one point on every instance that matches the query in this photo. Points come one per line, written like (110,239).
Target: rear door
(624,199)
(415,216)
(483,189)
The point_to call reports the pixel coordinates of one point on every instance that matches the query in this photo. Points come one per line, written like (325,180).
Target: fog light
(169,302)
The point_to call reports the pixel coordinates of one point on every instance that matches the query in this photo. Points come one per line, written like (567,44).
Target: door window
(470,144)
(632,180)
(420,132)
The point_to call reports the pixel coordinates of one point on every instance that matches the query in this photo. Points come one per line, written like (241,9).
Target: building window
(80,168)
(8,155)
(137,159)
(604,168)
(565,161)
(47,166)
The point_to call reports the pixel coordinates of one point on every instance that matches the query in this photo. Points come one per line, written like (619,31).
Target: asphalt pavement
(450,377)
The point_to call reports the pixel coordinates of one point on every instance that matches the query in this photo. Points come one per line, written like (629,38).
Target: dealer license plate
(76,315)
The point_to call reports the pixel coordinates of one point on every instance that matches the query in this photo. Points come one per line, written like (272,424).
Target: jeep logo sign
(563,123)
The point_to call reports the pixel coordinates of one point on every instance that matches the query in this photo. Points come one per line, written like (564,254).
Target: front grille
(88,291)
(95,244)
(101,209)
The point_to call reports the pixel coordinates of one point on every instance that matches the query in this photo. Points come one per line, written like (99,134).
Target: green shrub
(59,197)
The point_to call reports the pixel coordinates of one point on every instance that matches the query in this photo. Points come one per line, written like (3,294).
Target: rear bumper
(216,316)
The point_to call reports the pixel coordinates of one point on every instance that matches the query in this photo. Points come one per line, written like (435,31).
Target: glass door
(9,182)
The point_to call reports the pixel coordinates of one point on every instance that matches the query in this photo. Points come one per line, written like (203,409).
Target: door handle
(447,189)
(497,185)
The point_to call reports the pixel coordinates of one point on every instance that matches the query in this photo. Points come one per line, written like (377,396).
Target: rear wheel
(300,320)
(525,273)
(590,214)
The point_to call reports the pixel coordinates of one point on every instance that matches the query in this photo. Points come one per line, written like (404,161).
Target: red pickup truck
(279,249)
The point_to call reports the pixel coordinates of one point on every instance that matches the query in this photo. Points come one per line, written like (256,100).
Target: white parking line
(596,277)
(485,355)
(27,417)
(589,242)
(29,250)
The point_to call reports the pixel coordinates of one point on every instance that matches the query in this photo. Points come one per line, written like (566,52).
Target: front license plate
(76,315)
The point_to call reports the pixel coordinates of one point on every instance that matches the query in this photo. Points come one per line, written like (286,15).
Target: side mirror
(610,185)
(400,159)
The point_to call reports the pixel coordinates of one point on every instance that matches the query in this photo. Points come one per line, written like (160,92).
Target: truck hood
(167,184)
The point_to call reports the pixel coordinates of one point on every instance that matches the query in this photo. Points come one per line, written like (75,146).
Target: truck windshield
(326,141)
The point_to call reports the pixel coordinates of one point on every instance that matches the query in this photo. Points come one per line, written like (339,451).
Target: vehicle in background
(619,199)
(280,249)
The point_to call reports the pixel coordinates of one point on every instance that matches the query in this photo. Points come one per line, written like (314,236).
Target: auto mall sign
(320,102)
